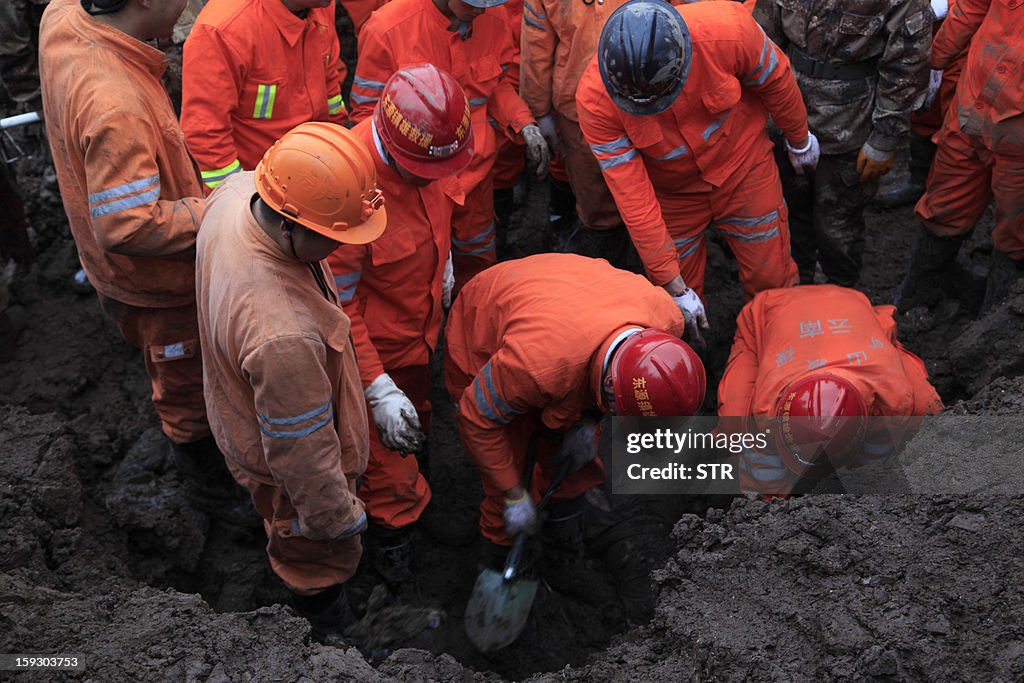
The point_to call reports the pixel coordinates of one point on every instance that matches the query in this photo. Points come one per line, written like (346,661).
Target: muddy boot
(931,267)
(1003,271)
(210,487)
(327,612)
(561,214)
(504,206)
(391,556)
(562,562)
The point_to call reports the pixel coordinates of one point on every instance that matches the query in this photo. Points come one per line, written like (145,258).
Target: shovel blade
(498,609)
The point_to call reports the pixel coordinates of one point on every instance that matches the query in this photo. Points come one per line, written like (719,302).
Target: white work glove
(356,529)
(939,9)
(580,443)
(520,515)
(549,129)
(934,85)
(537,149)
(691,307)
(804,160)
(447,283)
(394,415)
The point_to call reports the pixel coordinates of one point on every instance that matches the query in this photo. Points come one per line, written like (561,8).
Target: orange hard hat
(657,374)
(424,123)
(321,176)
(822,418)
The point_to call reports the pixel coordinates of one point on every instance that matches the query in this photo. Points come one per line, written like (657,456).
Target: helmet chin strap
(288,231)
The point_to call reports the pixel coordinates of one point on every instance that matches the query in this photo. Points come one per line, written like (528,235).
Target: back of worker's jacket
(990,95)
(559,38)
(715,127)
(130,189)
(280,375)
(532,333)
(785,334)
(406,32)
(251,72)
(391,288)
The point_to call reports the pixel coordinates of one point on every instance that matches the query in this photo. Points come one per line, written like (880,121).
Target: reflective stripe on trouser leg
(752,216)
(394,491)
(474,241)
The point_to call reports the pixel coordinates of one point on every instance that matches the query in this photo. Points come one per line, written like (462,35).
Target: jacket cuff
(883,143)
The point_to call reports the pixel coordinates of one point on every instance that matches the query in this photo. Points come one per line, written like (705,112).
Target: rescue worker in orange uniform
(549,343)
(282,383)
(133,199)
(980,153)
(475,45)
(559,39)
(252,71)
(674,106)
(394,289)
(811,354)
(510,158)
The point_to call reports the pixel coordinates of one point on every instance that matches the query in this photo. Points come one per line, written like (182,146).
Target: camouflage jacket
(896,34)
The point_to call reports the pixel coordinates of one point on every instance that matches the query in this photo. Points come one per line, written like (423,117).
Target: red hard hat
(821,422)
(423,121)
(656,374)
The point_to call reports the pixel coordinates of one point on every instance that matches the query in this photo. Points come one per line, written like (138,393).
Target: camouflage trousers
(19,63)
(826,216)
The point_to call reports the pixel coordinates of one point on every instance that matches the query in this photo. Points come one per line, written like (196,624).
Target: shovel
(500,605)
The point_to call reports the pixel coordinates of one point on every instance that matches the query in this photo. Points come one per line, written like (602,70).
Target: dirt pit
(103,557)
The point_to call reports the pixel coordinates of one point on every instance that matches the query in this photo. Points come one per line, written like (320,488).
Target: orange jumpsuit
(707,159)
(282,386)
(980,154)
(785,334)
(525,349)
(132,196)
(407,32)
(559,39)
(391,290)
(251,72)
(508,166)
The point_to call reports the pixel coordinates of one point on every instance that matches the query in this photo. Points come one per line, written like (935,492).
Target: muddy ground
(102,556)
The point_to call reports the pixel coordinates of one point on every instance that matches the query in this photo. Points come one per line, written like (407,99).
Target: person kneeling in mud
(537,350)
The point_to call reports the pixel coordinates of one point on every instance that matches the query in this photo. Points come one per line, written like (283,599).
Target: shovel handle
(519,542)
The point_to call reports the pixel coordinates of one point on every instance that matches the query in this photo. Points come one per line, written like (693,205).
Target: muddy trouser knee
(839,201)
(474,241)
(392,487)
(595,205)
(169,341)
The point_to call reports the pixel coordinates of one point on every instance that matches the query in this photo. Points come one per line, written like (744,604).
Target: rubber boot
(504,206)
(561,215)
(327,612)
(562,561)
(391,555)
(1003,271)
(210,487)
(931,267)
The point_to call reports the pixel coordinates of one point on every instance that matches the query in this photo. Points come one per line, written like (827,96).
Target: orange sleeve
(626,176)
(960,25)
(736,390)
(336,72)
(764,68)
(926,398)
(346,263)
(537,59)
(212,79)
(300,443)
(505,105)
(375,66)
(500,392)
(124,189)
